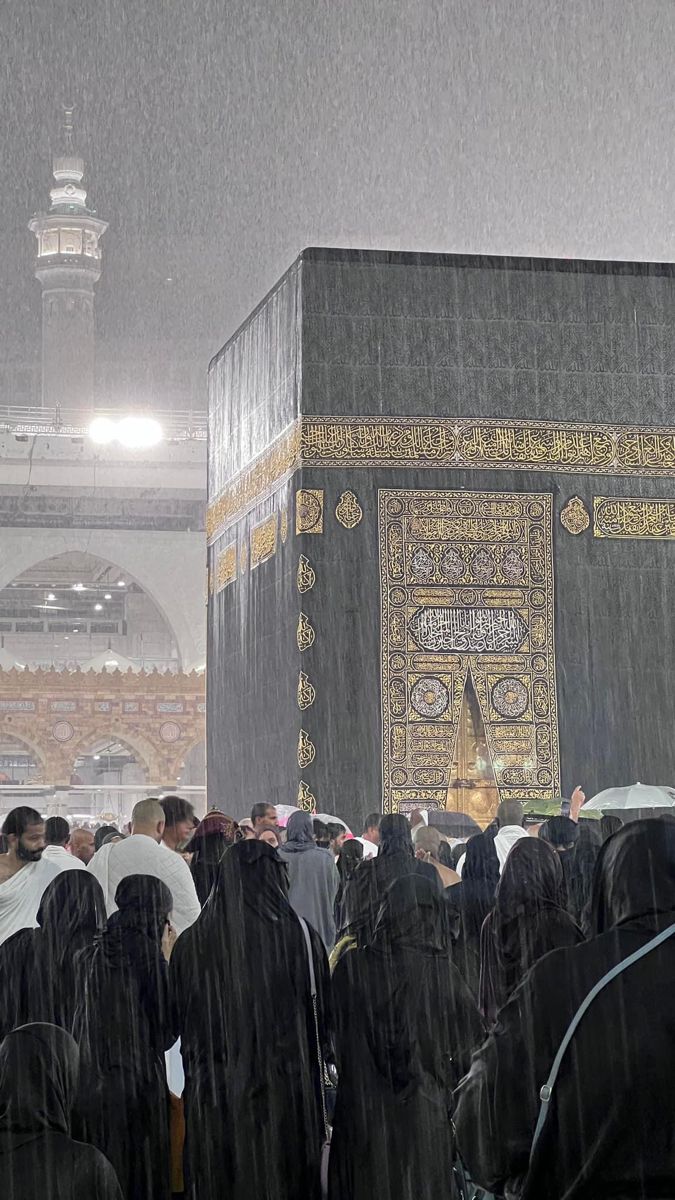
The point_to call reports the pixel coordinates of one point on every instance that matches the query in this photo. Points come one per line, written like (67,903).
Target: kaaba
(441,531)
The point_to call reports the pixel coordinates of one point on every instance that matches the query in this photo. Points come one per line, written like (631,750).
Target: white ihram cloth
(20,896)
(504,842)
(141,855)
(59,856)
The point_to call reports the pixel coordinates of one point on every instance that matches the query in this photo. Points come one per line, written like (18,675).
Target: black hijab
(528,920)
(71,913)
(410,934)
(135,931)
(252,885)
(395,836)
(38,1080)
(38,973)
(582,869)
(475,895)
(634,877)
(371,879)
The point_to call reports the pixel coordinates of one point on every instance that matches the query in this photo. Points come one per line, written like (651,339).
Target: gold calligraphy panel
(466,587)
(461,442)
(617,517)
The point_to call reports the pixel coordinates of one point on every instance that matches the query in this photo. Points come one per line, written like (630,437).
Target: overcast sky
(221,138)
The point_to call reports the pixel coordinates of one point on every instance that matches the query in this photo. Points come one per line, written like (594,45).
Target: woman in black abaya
(472,899)
(366,889)
(240,981)
(528,920)
(609,1131)
(37,968)
(124,1027)
(405,1029)
(38,1158)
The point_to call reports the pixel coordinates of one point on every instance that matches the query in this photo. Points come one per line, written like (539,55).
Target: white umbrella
(638,795)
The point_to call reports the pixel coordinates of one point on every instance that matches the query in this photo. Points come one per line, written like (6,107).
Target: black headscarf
(395,836)
(527,921)
(367,887)
(411,930)
(71,913)
(135,931)
(38,1080)
(38,975)
(351,855)
(103,832)
(559,832)
(580,877)
(635,875)
(475,895)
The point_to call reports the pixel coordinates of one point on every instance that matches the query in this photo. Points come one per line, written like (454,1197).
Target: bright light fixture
(135,433)
(138,433)
(98,608)
(51,597)
(121,583)
(79,587)
(107,596)
(103,431)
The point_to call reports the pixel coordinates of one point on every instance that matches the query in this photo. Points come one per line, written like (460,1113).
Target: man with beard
(24,874)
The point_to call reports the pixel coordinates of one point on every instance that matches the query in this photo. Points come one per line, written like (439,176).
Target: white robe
(20,896)
(504,842)
(60,857)
(141,855)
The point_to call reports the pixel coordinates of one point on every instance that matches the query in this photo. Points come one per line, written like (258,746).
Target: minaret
(68,265)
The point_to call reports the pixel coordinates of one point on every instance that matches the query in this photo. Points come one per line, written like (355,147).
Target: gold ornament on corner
(306,577)
(284,525)
(348,510)
(306,750)
(309,510)
(306,633)
(574,516)
(306,801)
(306,692)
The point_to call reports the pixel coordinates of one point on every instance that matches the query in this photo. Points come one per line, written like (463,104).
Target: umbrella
(453,824)
(329,819)
(637,796)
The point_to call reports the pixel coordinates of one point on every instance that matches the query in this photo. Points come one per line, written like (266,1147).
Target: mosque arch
(163,565)
(14,730)
(144,752)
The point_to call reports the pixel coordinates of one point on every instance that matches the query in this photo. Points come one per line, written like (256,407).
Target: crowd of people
(383,1016)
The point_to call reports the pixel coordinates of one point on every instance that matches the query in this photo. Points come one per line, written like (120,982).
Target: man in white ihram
(24,874)
(141,854)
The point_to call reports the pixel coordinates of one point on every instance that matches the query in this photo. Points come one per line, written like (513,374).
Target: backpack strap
(546,1093)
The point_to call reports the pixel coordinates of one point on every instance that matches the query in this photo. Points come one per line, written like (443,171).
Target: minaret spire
(68,266)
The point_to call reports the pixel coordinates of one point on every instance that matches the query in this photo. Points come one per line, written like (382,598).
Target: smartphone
(565,806)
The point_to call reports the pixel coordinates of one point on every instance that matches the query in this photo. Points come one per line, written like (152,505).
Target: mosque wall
(473,392)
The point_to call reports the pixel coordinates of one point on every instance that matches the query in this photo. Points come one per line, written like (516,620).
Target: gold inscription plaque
(263,541)
(616,517)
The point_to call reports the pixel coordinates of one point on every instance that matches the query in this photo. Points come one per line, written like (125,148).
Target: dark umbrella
(454,824)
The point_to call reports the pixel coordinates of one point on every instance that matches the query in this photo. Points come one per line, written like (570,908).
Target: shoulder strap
(546,1092)
(310,957)
(317,1035)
